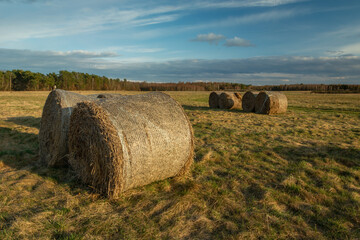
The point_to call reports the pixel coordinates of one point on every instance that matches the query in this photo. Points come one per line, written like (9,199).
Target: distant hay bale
(230,100)
(248,101)
(121,143)
(103,96)
(106,95)
(53,133)
(270,102)
(214,100)
(238,95)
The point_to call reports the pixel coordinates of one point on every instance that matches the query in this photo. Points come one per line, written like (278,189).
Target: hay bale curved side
(118,145)
(248,101)
(54,126)
(214,100)
(105,95)
(238,95)
(230,100)
(268,102)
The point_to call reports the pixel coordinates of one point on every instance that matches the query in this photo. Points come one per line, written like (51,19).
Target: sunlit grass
(293,175)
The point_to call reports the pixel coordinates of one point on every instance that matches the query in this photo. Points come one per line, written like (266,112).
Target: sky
(256,42)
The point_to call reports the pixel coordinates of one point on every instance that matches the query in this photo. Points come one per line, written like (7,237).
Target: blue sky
(246,41)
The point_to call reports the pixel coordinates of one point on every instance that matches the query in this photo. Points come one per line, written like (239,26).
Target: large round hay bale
(214,100)
(121,143)
(248,101)
(230,100)
(105,95)
(53,133)
(267,102)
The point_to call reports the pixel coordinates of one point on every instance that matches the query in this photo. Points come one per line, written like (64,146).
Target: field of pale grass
(289,176)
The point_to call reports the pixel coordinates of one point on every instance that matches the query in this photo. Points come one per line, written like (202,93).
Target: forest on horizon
(20,80)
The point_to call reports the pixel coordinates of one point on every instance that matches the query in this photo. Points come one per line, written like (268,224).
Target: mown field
(289,176)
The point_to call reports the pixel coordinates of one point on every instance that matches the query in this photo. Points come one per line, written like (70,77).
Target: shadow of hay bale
(310,167)
(254,192)
(22,154)
(28,121)
(349,157)
(199,108)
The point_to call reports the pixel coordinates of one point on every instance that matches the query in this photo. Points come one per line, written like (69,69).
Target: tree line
(316,88)
(20,80)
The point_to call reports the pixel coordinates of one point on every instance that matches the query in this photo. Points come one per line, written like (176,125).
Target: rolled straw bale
(53,133)
(238,95)
(214,100)
(106,95)
(121,143)
(248,101)
(268,102)
(230,100)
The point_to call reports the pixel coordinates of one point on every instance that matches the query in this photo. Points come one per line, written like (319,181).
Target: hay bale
(230,100)
(267,102)
(53,133)
(106,95)
(121,143)
(214,100)
(248,101)
(238,95)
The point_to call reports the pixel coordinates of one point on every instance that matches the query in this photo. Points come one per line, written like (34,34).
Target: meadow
(288,176)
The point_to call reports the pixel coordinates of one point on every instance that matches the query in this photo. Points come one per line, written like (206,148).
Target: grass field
(294,175)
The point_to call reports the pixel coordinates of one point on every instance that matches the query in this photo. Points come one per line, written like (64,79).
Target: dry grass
(293,175)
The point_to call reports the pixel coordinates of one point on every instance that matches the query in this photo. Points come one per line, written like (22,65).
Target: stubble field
(294,175)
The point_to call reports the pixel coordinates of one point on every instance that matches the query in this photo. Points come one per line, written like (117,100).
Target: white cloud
(246,3)
(92,20)
(351,49)
(57,19)
(350,31)
(259,70)
(339,41)
(22,1)
(134,49)
(83,54)
(334,53)
(268,16)
(211,38)
(238,42)
(271,15)
(259,17)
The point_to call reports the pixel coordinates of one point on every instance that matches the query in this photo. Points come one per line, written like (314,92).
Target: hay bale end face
(214,100)
(53,133)
(230,100)
(268,102)
(118,145)
(248,101)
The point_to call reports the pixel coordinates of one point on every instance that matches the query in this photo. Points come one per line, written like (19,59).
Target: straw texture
(230,100)
(121,143)
(53,133)
(248,101)
(214,100)
(268,102)
(106,95)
